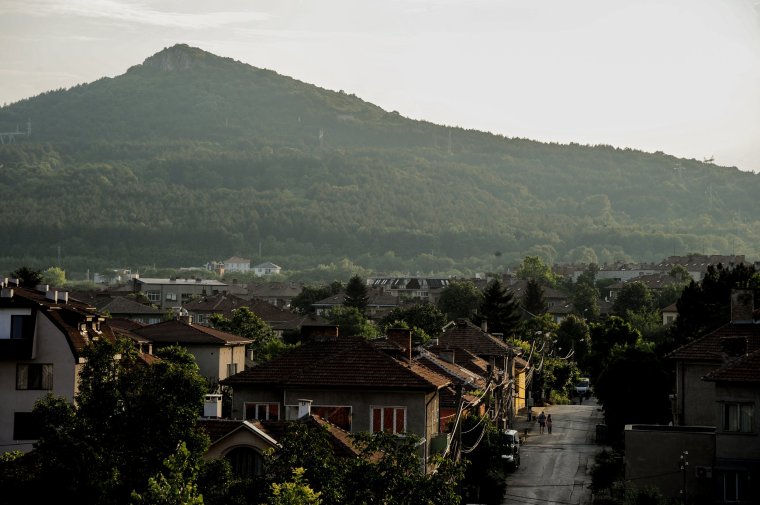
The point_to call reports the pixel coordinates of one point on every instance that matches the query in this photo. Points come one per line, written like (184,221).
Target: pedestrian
(549,424)
(541,422)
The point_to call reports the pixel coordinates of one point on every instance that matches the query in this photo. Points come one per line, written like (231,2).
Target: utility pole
(511,385)
(684,465)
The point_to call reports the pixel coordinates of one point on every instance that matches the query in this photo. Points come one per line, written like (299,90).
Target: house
(218,354)
(378,304)
(714,425)
(237,264)
(266,268)
(280,320)
(414,288)
(654,282)
(278,294)
(175,292)
(464,339)
(351,383)
(669,314)
(42,335)
(120,306)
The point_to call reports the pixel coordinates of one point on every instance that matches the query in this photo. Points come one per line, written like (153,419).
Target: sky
(678,76)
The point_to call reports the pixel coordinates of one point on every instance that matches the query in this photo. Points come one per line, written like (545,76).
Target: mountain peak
(177,57)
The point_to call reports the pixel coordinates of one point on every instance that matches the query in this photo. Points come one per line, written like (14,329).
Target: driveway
(555,469)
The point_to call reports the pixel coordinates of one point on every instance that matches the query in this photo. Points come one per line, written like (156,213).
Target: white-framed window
(231,369)
(737,417)
(171,297)
(34,376)
(153,295)
(262,411)
(388,419)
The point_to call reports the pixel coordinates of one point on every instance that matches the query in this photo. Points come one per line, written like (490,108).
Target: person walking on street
(549,424)
(541,422)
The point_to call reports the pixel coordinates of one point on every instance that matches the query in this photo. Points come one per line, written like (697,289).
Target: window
(200,318)
(21,326)
(172,297)
(153,296)
(245,462)
(187,297)
(339,416)
(26,426)
(34,376)
(231,369)
(388,419)
(735,486)
(737,417)
(262,411)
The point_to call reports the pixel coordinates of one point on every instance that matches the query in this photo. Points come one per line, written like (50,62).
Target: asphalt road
(555,469)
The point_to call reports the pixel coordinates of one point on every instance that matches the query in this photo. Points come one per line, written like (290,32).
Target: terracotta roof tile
(175,331)
(345,362)
(709,347)
(743,369)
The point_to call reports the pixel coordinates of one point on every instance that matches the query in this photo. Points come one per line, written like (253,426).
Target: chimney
(484,326)
(403,338)
(304,408)
(319,333)
(186,318)
(742,305)
(52,295)
(42,288)
(212,405)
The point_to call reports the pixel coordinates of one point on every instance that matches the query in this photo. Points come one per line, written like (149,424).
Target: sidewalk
(524,427)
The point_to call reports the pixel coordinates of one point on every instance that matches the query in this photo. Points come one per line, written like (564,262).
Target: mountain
(190,157)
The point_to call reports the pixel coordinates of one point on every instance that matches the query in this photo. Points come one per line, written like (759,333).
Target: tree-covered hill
(189,157)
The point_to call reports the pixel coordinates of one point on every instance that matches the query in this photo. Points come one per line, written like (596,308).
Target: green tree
(247,324)
(54,277)
(499,308)
(460,299)
(633,388)
(706,305)
(425,316)
(633,297)
(573,333)
(28,277)
(533,267)
(352,322)
(533,300)
(302,303)
(295,492)
(605,336)
(586,302)
(129,417)
(176,484)
(357,294)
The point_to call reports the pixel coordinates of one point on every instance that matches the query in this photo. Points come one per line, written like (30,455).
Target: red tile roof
(466,335)
(743,369)
(710,348)
(175,331)
(345,362)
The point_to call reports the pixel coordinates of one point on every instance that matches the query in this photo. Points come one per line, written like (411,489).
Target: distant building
(237,264)
(175,292)
(267,268)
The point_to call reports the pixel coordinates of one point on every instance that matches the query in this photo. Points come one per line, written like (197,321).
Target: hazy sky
(679,76)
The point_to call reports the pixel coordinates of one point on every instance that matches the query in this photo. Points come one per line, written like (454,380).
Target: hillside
(190,157)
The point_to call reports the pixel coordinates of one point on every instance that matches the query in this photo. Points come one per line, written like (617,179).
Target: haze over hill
(190,157)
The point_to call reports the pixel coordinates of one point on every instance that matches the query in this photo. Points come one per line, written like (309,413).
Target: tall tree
(27,276)
(425,316)
(533,300)
(706,305)
(302,303)
(245,323)
(129,417)
(573,333)
(460,299)
(351,322)
(500,308)
(533,267)
(634,297)
(357,294)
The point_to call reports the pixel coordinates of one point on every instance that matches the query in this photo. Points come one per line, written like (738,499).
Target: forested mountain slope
(189,157)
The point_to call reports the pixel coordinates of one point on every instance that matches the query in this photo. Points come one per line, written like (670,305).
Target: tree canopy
(499,308)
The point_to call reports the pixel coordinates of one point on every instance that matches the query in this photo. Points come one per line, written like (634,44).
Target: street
(555,468)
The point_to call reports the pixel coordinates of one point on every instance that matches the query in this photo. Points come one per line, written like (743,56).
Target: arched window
(246,462)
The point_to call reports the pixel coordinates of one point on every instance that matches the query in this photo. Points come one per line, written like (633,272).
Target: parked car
(583,387)
(511,446)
